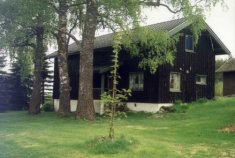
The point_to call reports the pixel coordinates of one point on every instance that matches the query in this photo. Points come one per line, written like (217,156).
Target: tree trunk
(85,107)
(64,105)
(34,107)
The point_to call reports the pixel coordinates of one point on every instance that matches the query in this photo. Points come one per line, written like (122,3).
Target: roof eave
(189,22)
(179,27)
(226,50)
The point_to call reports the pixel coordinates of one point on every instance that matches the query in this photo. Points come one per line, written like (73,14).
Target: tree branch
(72,28)
(77,4)
(74,38)
(158,4)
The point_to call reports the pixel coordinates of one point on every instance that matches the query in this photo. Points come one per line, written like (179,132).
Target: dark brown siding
(56,84)
(200,62)
(156,86)
(229,83)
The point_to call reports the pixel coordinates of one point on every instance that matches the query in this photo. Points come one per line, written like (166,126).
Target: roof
(229,66)
(172,27)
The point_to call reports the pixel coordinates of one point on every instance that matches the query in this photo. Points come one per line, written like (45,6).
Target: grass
(193,134)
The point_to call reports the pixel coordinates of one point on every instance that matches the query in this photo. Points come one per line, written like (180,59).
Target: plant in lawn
(115,96)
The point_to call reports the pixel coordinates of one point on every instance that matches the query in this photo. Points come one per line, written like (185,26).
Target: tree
(23,28)
(22,72)
(116,96)
(64,105)
(85,107)
(67,17)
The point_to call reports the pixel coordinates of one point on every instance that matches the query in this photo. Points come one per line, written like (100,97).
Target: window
(136,81)
(201,79)
(175,79)
(189,43)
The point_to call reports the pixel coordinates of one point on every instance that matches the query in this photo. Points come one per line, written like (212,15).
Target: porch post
(102,91)
(102,83)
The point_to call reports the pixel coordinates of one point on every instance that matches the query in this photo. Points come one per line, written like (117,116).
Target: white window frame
(139,86)
(188,50)
(176,76)
(203,79)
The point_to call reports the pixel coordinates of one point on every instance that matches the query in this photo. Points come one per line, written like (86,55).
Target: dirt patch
(229,129)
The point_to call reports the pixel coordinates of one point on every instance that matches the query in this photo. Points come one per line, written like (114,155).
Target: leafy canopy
(152,48)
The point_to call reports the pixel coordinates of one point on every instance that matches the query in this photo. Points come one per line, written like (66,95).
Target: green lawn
(175,135)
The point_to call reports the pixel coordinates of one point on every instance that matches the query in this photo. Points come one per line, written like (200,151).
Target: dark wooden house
(228,70)
(191,77)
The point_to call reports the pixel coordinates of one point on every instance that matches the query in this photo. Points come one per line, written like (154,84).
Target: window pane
(136,81)
(201,79)
(175,82)
(188,42)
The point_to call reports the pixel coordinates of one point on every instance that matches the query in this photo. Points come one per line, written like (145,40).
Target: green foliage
(105,145)
(119,14)
(121,95)
(219,63)
(177,108)
(117,115)
(201,100)
(25,62)
(48,107)
(19,22)
(219,88)
(197,27)
(22,72)
(152,48)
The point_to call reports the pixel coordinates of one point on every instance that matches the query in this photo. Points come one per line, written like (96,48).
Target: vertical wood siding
(156,86)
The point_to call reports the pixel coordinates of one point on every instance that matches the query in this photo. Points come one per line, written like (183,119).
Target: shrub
(201,100)
(105,145)
(219,88)
(118,114)
(176,108)
(48,107)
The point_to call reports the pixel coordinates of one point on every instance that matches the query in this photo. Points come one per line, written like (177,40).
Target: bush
(48,107)
(118,114)
(176,108)
(120,111)
(201,100)
(219,88)
(105,145)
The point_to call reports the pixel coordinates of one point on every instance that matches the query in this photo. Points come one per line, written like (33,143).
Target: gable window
(201,79)
(175,80)
(136,81)
(189,43)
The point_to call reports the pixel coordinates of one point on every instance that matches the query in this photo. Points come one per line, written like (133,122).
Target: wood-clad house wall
(200,62)
(156,86)
(229,83)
